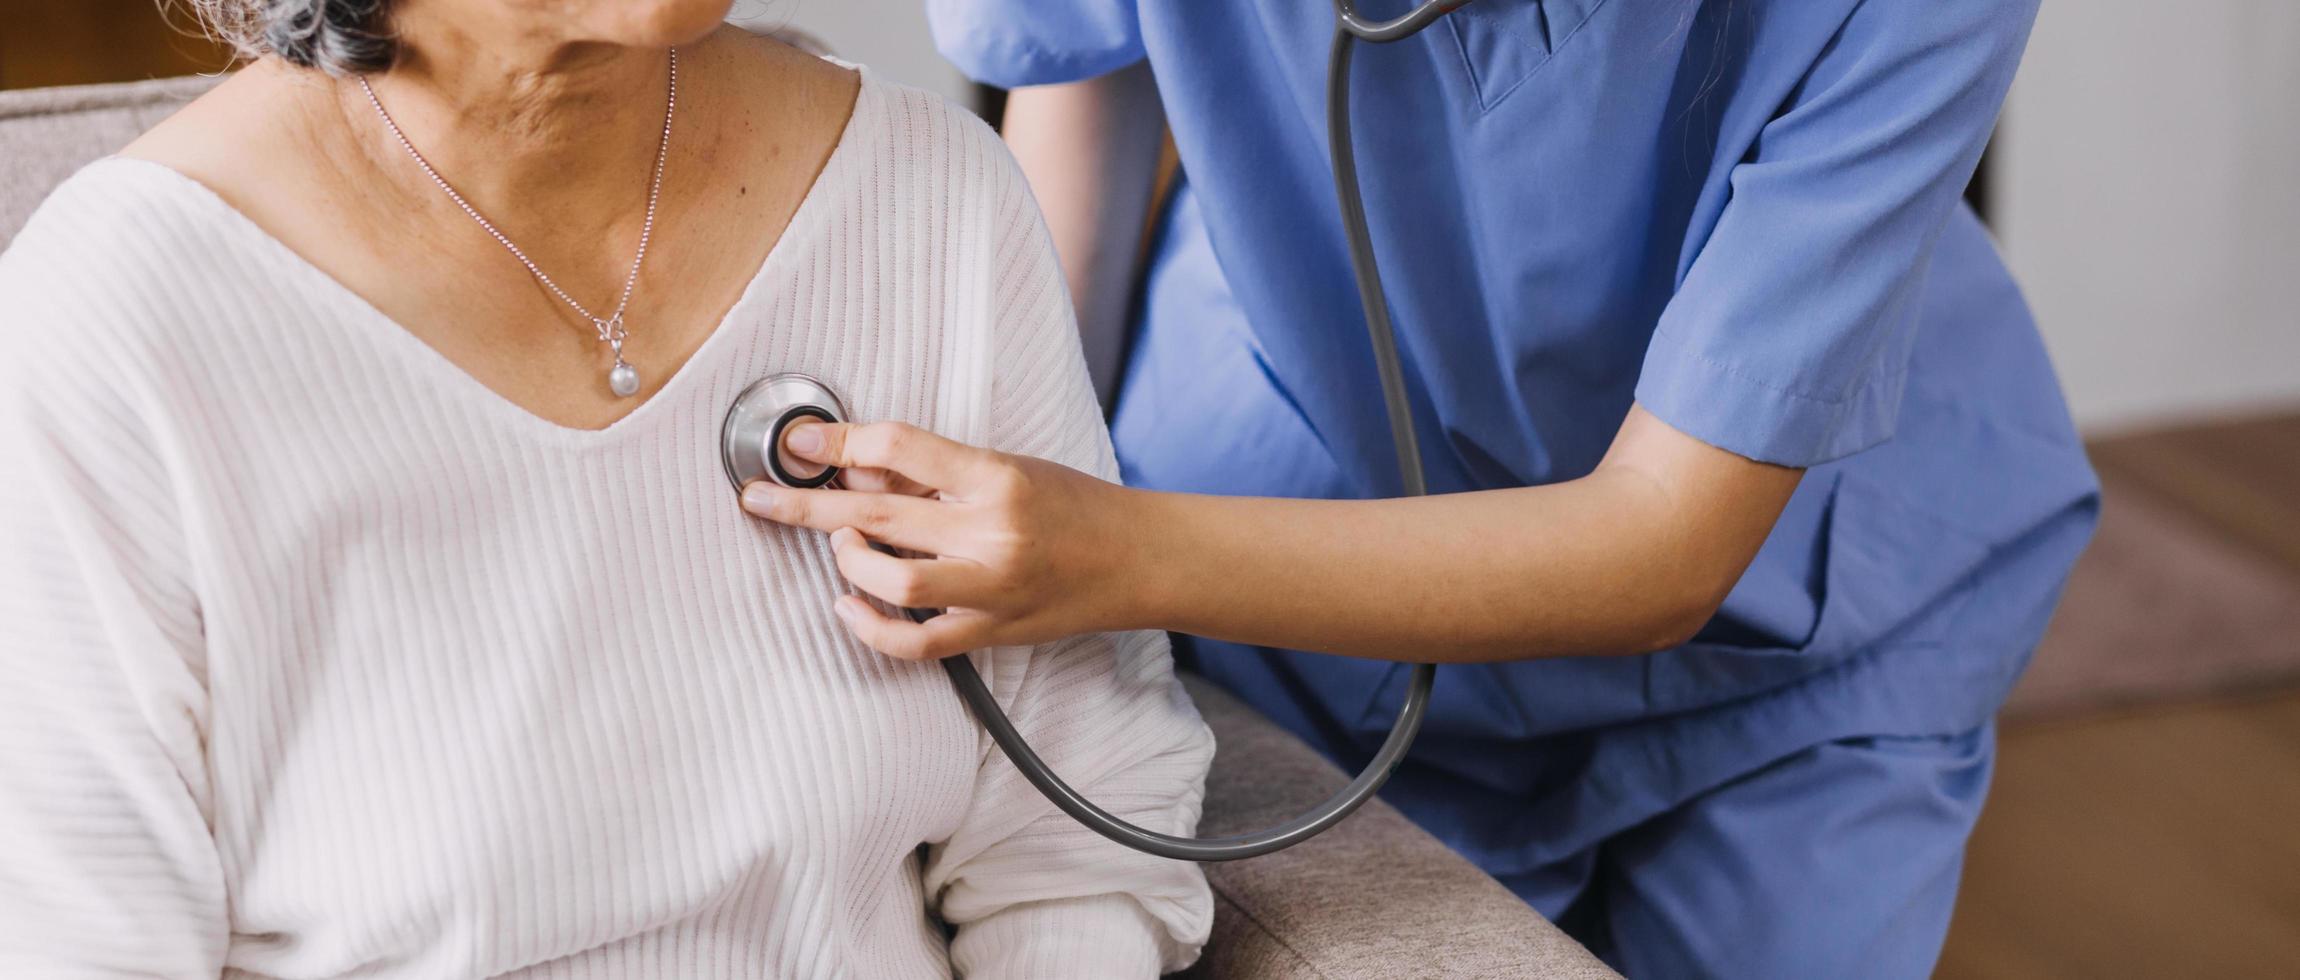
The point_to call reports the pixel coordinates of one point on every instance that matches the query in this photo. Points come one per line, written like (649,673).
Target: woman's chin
(668,23)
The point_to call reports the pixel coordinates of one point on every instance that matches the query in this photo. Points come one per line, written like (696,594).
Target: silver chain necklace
(622,378)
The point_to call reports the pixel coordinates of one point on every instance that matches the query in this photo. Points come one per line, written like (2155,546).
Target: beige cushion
(1373,898)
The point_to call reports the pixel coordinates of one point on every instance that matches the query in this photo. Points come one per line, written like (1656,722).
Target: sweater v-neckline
(807,220)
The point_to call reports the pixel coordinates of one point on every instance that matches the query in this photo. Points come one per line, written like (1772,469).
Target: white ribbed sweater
(318,658)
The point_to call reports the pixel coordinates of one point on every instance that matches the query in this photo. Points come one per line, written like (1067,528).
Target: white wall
(2148,197)
(888,35)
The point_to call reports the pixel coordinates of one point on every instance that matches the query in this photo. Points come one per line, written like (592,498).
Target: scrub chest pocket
(1502,43)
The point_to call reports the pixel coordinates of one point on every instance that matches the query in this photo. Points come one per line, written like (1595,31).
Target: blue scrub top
(1745,216)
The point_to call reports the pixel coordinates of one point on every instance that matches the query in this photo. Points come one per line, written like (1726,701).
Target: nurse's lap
(1838,861)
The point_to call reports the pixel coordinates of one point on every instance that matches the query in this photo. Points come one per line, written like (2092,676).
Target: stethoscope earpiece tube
(976,694)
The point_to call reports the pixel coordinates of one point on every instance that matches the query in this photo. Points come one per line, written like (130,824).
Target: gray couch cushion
(1373,898)
(46,134)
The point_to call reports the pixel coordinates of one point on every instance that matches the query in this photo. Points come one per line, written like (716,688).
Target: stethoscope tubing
(1348,29)
(977,696)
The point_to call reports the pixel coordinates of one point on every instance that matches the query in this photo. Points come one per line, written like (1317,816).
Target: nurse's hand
(1018,550)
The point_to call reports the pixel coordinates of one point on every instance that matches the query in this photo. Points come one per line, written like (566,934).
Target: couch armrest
(1375,897)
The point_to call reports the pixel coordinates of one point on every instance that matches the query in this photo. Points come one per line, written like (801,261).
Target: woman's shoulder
(915,146)
(918,122)
(126,268)
(107,241)
(886,147)
(161,198)
(95,288)
(888,144)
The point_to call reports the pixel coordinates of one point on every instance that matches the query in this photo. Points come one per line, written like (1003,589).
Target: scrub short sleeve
(1011,43)
(1788,339)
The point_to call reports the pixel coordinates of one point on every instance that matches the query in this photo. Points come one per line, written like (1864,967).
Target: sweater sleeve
(1031,892)
(107,864)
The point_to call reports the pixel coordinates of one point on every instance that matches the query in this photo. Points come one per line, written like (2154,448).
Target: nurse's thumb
(811,441)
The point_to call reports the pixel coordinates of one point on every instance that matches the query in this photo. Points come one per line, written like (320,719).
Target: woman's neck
(537,124)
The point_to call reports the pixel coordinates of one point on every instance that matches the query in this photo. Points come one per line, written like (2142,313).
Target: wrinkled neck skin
(513,107)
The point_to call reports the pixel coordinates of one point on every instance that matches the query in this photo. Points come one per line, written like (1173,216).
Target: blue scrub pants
(1838,861)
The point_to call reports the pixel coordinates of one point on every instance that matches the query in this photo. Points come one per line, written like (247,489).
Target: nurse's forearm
(1632,558)
(1090,151)
(1496,575)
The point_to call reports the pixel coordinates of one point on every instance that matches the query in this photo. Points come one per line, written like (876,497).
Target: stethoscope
(752,436)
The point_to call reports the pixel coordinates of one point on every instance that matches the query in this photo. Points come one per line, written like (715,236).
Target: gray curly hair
(340,37)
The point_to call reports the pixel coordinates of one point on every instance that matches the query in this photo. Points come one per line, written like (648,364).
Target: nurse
(1752,485)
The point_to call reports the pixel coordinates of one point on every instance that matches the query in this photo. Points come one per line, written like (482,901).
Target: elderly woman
(375,602)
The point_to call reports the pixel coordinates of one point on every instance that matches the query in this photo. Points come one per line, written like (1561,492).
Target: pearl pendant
(623,380)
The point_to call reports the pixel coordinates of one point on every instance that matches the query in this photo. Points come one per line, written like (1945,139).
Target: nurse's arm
(1090,151)
(1634,557)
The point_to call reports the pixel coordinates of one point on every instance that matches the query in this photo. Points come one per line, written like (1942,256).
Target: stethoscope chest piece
(751,439)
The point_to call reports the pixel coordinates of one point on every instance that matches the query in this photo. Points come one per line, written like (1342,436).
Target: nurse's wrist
(1151,534)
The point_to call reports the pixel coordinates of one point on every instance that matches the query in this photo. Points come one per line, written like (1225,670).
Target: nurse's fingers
(897,519)
(905,449)
(952,632)
(914,583)
(882,481)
